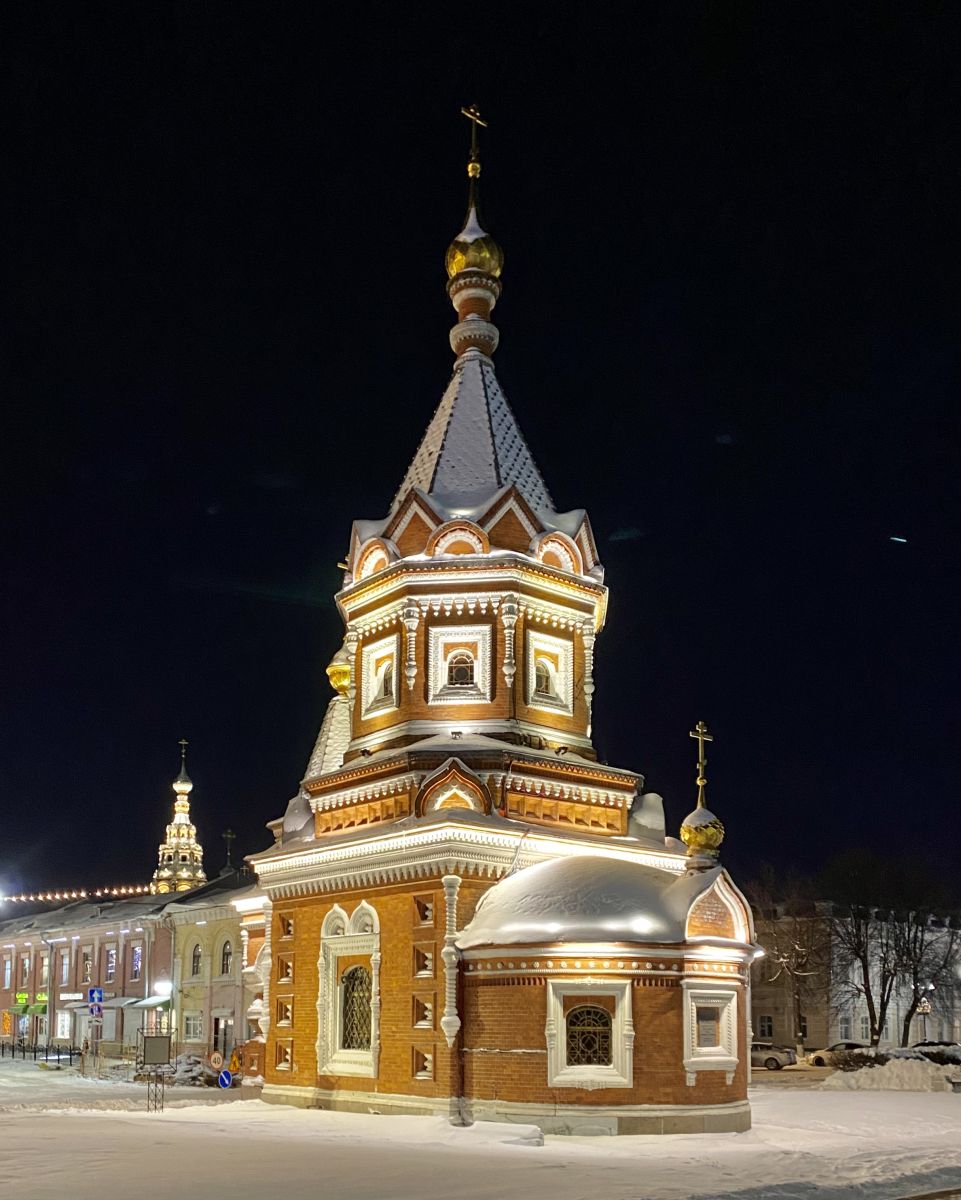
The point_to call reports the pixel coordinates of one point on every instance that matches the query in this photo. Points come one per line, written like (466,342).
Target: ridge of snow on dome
(473,443)
(587,898)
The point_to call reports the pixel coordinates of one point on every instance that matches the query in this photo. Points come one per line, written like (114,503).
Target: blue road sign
(224,1079)
(95,996)
(96,1010)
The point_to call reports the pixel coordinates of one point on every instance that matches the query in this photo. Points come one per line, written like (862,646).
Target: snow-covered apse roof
(588,898)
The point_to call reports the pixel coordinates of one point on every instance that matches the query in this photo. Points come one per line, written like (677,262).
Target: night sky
(728,330)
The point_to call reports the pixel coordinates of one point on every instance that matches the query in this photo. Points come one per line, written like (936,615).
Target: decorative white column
(375,1007)
(588,635)
(351,638)
(266,968)
(450,1021)
(411,621)
(509,618)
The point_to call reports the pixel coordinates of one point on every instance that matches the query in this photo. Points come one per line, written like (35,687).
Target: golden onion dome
(338,672)
(474,250)
(702,832)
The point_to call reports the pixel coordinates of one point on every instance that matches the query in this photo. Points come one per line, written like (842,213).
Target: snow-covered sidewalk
(818,1145)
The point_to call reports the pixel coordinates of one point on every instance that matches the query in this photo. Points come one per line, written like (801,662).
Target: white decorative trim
(558,654)
(415,509)
(411,621)
(449,847)
(493,726)
(620,1073)
(380,790)
(263,966)
(388,651)
(450,1021)
(343,937)
(458,605)
(722,996)
(460,532)
(509,614)
(588,636)
(444,641)
(510,505)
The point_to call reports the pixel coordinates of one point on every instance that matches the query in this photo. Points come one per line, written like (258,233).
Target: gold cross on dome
(183,744)
(701,734)
(473,115)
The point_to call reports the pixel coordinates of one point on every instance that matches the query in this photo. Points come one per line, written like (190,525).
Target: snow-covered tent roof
(473,445)
(587,898)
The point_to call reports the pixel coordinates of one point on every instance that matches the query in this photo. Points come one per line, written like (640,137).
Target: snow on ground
(805,1145)
(899,1074)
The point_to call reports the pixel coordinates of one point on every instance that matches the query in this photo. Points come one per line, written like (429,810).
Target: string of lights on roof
(77,894)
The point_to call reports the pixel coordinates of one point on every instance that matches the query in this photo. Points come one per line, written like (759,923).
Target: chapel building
(468,913)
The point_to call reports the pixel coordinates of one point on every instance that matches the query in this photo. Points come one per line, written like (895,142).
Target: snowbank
(901,1074)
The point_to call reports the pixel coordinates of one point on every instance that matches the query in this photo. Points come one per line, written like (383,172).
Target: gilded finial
(701,831)
(474,249)
(473,164)
(700,732)
(183,783)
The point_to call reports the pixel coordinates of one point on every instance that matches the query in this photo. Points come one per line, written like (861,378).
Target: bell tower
(180,857)
(466,675)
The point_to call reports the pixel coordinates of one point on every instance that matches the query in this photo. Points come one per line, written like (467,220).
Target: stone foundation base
(584,1120)
(581,1120)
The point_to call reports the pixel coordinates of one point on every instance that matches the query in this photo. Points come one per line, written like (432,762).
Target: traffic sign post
(224,1079)
(96,1010)
(95,995)
(216,1060)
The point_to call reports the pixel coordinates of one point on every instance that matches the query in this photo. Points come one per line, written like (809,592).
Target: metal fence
(46,1052)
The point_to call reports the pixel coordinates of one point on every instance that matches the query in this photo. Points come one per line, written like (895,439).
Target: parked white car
(825,1057)
(766,1054)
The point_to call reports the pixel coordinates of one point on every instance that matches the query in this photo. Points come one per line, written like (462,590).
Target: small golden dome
(338,672)
(702,832)
(474,249)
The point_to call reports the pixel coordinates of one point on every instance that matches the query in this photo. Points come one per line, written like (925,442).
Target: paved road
(799,1076)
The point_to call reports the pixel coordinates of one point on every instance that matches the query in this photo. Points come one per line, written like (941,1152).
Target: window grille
(460,671)
(589,1037)
(195,961)
(226,959)
(356,1009)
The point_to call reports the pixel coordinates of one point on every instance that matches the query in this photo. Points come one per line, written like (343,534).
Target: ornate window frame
(561,650)
(722,1057)
(447,640)
(346,937)
(372,699)
(620,1072)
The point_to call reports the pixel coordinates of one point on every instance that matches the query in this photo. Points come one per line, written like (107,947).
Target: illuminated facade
(467,912)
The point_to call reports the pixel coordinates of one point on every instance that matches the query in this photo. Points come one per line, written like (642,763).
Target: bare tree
(928,952)
(795,940)
(885,936)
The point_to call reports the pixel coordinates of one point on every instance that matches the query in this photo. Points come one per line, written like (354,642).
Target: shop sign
(40,997)
(23,997)
(71,995)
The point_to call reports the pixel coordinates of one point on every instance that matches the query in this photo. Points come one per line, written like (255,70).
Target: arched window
(460,670)
(542,678)
(356,1009)
(589,1037)
(387,683)
(226,959)
(195,960)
